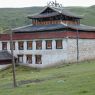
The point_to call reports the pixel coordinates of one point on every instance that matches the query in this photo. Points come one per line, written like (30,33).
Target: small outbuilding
(5,58)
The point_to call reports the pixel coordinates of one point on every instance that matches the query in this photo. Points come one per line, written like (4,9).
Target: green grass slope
(14,17)
(88,14)
(75,79)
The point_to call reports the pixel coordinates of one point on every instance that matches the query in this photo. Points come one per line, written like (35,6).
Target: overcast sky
(29,3)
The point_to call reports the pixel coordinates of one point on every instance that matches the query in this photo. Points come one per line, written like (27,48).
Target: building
(55,36)
(5,57)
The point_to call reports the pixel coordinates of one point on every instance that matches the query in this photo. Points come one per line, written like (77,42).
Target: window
(13,46)
(39,45)
(4,45)
(29,45)
(38,59)
(20,58)
(29,59)
(20,45)
(49,44)
(59,44)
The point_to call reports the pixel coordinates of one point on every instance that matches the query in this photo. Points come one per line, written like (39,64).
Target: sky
(30,3)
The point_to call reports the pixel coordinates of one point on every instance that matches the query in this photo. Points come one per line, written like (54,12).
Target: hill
(15,17)
(75,79)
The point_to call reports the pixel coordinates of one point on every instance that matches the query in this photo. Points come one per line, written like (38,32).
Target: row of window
(38,59)
(30,45)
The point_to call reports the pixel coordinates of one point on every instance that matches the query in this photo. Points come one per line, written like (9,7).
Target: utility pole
(13,61)
(77,43)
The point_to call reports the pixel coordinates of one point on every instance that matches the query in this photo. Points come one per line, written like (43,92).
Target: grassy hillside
(14,17)
(76,79)
(88,14)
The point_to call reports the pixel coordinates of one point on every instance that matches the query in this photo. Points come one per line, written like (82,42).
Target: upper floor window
(59,44)
(12,46)
(4,45)
(38,44)
(21,45)
(49,44)
(29,45)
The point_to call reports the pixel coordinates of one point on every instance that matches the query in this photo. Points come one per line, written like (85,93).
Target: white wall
(86,49)
(49,56)
(57,56)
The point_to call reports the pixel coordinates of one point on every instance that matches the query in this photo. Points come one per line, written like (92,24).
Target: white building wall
(33,59)
(49,56)
(71,50)
(16,51)
(53,44)
(34,45)
(24,59)
(57,56)
(86,49)
(8,45)
(43,45)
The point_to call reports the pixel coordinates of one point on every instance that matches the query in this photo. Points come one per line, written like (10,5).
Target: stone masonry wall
(86,49)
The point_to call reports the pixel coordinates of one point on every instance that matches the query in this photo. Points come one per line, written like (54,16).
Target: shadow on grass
(23,82)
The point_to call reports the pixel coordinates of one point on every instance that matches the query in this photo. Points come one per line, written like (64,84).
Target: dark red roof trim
(28,36)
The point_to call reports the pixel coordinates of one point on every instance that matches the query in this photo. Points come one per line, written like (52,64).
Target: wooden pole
(77,45)
(13,61)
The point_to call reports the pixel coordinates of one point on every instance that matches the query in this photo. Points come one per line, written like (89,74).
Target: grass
(75,79)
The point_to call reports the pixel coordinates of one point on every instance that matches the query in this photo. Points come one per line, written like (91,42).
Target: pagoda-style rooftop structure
(54,17)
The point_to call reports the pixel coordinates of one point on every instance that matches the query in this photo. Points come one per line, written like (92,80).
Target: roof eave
(82,29)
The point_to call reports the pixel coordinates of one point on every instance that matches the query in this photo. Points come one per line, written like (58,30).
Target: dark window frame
(29,60)
(38,59)
(19,48)
(22,58)
(4,47)
(47,41)
(39,45)
(28,42)
(57,47)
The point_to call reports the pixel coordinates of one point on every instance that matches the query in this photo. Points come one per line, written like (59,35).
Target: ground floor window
(20,58)
(4,45)
(29,58)
(38,59)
